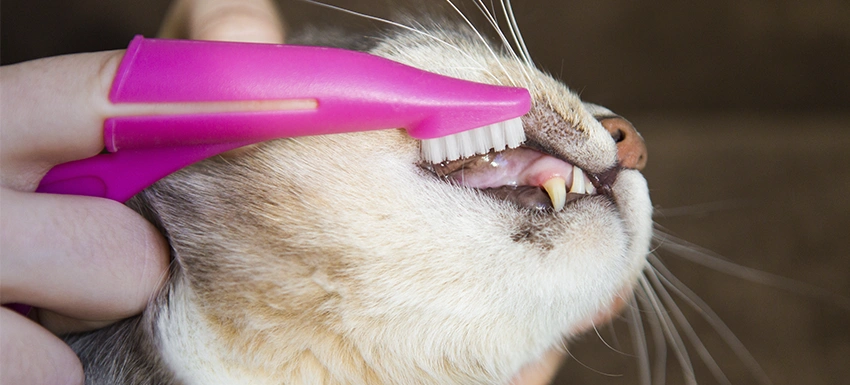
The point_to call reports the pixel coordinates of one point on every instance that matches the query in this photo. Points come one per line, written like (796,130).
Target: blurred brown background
(745,108)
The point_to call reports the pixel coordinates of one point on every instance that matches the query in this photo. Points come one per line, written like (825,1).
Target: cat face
(347,255)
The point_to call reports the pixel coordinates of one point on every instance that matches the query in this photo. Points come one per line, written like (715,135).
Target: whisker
(606,342)
(670,331)
(654,321)
(515,32)
(612,332)
(483,40)
(707,258)
(689,330)
(638,334)
(656,331)
(700,209)
(491,18)
(712,318)
(408,28)
(597,371)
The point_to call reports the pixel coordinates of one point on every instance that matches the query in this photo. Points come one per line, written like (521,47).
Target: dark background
(745,108)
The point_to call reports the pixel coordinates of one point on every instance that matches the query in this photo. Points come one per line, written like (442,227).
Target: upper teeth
(556,187)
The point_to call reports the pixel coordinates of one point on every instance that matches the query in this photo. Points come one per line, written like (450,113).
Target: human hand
(82,262)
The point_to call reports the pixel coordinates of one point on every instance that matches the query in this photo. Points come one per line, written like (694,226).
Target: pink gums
(514,167)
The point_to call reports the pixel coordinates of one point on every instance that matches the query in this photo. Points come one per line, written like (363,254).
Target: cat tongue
(522,175)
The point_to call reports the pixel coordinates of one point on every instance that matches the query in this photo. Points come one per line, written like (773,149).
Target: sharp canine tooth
(557,189)
(578,181)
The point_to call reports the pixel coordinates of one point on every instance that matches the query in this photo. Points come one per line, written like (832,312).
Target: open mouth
(524,176)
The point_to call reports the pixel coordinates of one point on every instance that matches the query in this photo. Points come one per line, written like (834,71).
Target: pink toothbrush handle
(119,176)
(354,92)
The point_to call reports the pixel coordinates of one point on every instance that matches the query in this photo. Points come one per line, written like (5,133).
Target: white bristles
(479,141)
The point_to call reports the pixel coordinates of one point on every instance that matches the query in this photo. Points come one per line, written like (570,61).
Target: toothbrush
(212,97)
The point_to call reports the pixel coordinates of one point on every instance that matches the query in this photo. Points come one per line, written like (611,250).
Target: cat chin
(635,207)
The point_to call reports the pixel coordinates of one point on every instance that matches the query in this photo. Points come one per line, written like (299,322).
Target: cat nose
(631,149)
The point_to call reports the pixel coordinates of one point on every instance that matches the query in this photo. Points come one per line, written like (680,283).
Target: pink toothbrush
(258,92)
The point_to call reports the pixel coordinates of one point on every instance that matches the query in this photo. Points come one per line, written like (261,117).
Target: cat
(346,259)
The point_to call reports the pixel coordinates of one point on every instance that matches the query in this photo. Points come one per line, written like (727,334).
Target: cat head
(349,250)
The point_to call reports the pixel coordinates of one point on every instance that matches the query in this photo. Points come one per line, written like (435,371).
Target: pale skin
(84,262)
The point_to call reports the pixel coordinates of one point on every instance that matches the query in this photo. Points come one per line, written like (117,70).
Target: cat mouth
(525,177)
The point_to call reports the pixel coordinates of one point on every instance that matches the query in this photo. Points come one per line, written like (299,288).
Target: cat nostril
(631,149)
(618,136)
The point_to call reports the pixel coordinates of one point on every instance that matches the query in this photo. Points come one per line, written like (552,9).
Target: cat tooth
(556,187)
(578,182)
(588,185)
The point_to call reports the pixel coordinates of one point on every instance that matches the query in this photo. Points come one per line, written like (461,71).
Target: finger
(229,20)
(52,112)
(31,355)
(83,257)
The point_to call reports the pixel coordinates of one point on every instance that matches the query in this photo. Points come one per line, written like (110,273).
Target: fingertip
(139,253)
(31,355)
(95,259)
(154,265)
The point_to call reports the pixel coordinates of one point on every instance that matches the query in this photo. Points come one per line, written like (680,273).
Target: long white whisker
(709,259)
(606,342)
(491,18)
(483,40)
(612,333)
(519,41)
(597,371)
(699,209)
(481,67)
(515,32)
(712,318)
(689,330)
(638,334)
(659,370)
(670,331)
